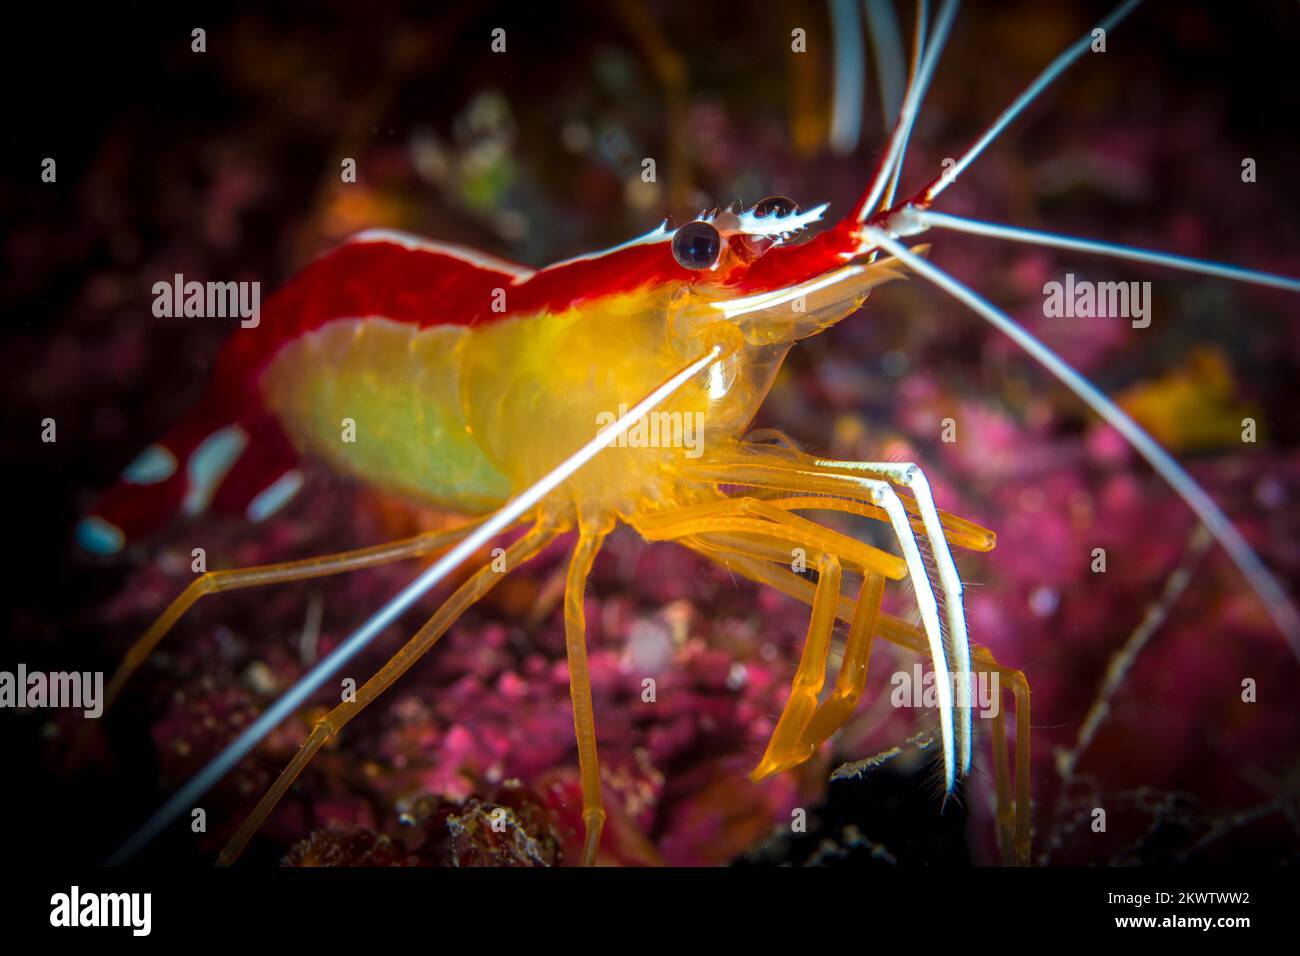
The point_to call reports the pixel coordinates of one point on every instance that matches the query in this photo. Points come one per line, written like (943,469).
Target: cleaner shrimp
(515,395)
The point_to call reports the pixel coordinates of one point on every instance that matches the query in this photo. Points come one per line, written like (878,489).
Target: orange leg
(764,529)
(763,523)
(852,678)
(584,718)
(914,519)
(731,515)
(1002,778)
(214,582)
(467,594)
(778,470)
(784,749)
(1017,835)
(805,724)
(1021,828)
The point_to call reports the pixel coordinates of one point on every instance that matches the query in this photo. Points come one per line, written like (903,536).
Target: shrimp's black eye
(775,205)
(697,245)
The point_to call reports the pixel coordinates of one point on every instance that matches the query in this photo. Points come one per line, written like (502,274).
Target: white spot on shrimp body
(209,464)
(98,536)
(151,466)
(275,496)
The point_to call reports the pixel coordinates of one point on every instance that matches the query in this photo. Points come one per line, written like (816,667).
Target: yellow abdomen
(380,400)
(467,417)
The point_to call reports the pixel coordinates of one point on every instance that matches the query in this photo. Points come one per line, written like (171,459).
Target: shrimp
(475,379)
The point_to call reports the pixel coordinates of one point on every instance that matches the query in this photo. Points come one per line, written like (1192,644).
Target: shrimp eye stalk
(770,214)
(697,245)
(779,206)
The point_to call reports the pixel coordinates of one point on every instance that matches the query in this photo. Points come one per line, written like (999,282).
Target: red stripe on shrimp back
(229,453)
(405,278)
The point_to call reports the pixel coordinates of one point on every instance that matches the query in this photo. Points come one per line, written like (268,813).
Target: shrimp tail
(229,462)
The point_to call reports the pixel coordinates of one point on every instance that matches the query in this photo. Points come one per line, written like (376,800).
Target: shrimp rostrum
(497,392)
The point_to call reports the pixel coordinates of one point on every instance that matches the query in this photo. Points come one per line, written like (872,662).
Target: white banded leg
(884,497)
(910,476)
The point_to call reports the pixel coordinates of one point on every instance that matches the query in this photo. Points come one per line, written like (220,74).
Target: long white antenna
(911,105)
(1036,237)
(1271,593)
(1031,93)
